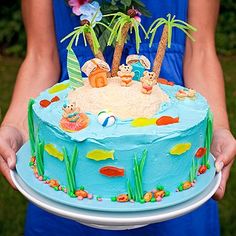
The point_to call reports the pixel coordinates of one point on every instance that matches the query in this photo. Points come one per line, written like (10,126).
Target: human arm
(202,72)
(39,70)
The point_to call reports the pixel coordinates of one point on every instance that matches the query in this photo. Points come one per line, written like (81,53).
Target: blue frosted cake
(119,139)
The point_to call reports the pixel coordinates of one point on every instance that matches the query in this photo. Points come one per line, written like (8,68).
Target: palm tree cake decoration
(166,37)
(90,16)
(124,22)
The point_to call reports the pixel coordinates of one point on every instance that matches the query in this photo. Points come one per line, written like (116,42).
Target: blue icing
(160,168)
(53,113)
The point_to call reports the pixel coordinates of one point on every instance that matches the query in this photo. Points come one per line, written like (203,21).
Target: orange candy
(202,169)
(112,171)
(44,103)
(167,120)
(81,193)
(55,99)
(164,81)
(200,152)
(122,198)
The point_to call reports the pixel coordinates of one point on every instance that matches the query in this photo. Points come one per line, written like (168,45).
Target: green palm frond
(82,30)
(170,22)
(121,20)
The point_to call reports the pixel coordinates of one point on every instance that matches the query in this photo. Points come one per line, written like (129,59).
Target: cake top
(186,113)
(124,102)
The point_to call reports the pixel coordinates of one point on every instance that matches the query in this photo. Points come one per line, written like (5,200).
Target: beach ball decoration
(106,118)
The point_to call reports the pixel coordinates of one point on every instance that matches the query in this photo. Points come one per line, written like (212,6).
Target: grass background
(12,203)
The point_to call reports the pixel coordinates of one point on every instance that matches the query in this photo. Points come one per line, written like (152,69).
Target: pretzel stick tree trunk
(119,49)
(89,39)
(160,52)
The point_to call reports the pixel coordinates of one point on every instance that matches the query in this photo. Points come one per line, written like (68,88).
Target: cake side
(121,142)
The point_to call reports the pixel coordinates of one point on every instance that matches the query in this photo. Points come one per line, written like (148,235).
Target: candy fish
(200,152)
(58,87)
(167,120)
(53,151)
(45,103)
(100,155)
(112,171)
(164,81)
(141,122)
(180,148)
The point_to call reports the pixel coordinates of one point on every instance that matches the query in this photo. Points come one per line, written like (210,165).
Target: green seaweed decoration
(39,151)
(70,170)
(193,170)
(137,193)
(31,126)
(208,138)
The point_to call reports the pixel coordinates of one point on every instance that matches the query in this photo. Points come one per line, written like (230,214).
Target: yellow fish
(53,151)
(140,122)
(180,148)
(100,155)
(58,87)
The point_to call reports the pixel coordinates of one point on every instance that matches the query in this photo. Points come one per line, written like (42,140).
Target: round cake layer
(123,146)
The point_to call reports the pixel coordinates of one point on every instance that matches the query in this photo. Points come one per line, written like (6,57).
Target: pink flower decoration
(76,4)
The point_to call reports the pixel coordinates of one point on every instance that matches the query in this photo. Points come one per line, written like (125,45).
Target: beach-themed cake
(119,132)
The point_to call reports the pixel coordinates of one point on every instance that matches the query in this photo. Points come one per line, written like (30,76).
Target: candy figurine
(96,70)
(185,93)
(106,118)
(139,65)
(72,119)
(148,81)
(71,112)
(126,75)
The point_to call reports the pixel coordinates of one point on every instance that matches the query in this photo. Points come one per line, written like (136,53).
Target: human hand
(10,141)
(224,149)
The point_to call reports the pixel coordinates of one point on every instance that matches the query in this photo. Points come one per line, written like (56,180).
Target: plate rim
(115,218)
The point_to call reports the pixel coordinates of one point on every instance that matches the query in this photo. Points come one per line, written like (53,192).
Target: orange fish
(200,152)
(164,81)
(45,103)
(167,120)
(112,171)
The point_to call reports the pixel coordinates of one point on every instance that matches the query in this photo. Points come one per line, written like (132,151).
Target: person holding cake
(199,69)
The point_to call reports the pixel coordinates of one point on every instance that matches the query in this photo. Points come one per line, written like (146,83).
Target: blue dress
(204,220)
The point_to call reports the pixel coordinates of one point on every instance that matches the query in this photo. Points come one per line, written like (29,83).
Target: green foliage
(193,170)
(137,193)
(170,22)
(39,151)
(31,126)
(208,138)
(12,35)
(226,30)
(113,6)
(70,170)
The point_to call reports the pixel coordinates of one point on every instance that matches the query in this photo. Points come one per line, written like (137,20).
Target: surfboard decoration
(73,68)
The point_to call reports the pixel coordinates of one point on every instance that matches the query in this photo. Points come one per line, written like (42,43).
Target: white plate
(116,221)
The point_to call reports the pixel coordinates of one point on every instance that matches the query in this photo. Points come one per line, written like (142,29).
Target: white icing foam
(124,102)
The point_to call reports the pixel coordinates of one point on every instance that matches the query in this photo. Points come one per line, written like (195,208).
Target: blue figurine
(139,63)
